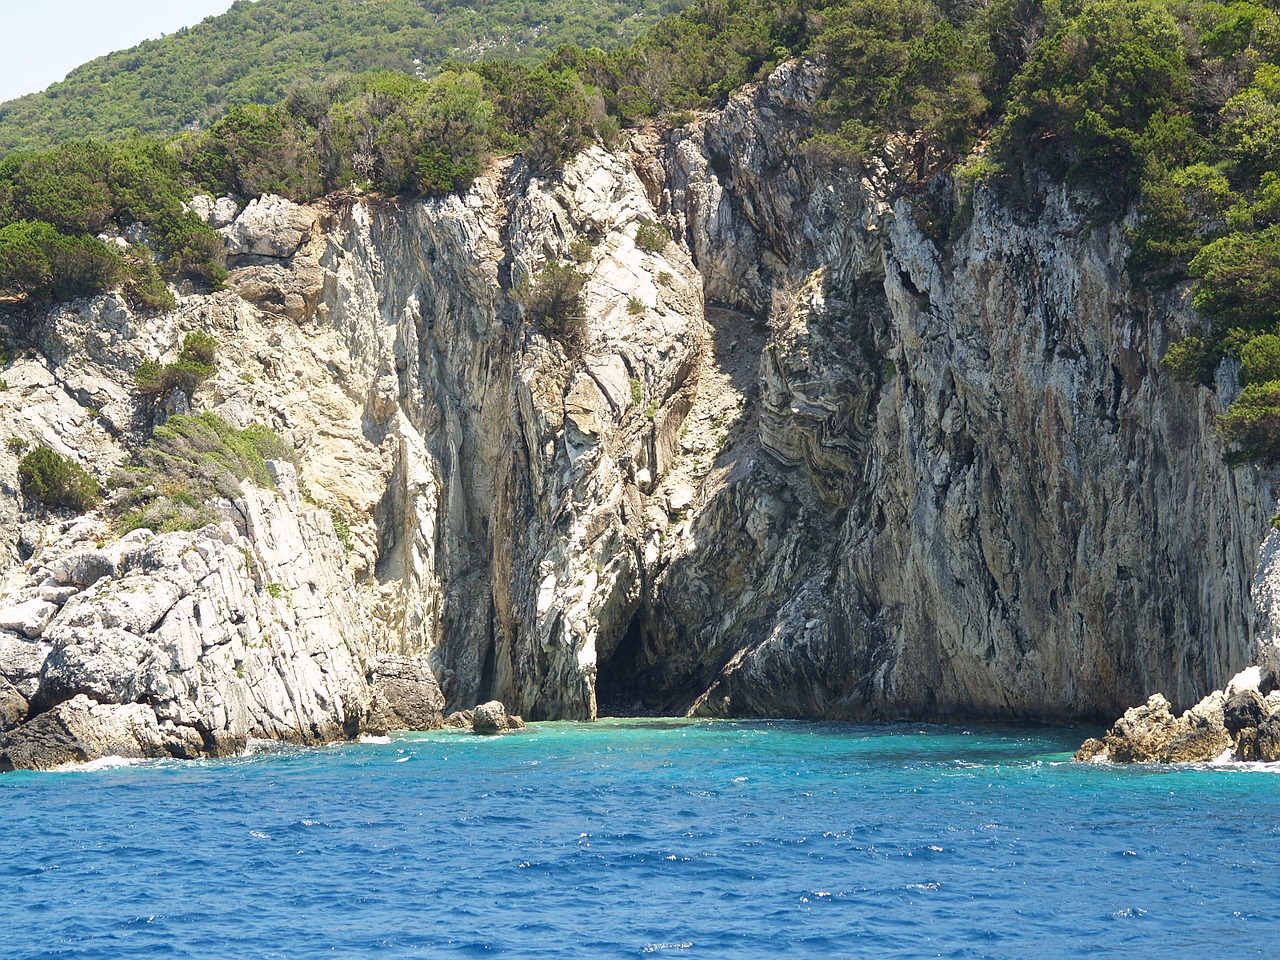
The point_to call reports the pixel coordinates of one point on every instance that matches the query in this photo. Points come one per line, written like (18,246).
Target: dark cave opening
(619,680)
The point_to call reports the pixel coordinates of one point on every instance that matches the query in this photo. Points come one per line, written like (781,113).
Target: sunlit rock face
(839,447)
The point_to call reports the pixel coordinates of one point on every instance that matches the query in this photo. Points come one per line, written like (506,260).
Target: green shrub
(54,481)
(580,250)
(1191,361)
(176,510)
(1260,360)
(187,465)
(553,299)
(146,290)
(341,528)
(652,237)
(1240,279)
(1092,88)
(36,259)
(197,362)
(1252,423)
(635,306)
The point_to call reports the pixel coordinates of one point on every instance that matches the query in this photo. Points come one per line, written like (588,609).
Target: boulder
(202,206)
(1248,679)
(1092,749)
(82,569)
(406,696)
(270,226)
(1243,710)
(13,706)
(1200,744)
(28,617)
(80,729)
(458,720)
(1268,739)
(21,659)
(1247,744)
(490,718)
(1142,733)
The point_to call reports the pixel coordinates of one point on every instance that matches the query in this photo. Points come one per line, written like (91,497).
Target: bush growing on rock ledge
(196,363)
(50,479)
(553,300)
(189,463)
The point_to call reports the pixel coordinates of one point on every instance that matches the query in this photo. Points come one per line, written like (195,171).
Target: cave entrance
(619,681)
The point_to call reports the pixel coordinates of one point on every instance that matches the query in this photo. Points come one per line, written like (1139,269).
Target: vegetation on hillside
(257,51)
(186,465)
(50,479)
(55,204)
(1169,107)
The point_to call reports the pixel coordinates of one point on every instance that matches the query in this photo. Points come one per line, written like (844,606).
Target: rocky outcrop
(482,477)
(1237,724)
(208,638)
(80,729)
(965,487)
(492,717)
(848,446)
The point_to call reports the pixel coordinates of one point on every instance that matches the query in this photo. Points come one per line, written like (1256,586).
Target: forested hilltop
(1170,108)
(255,51)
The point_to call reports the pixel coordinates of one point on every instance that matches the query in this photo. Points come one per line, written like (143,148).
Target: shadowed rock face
(916,458)
(968,488)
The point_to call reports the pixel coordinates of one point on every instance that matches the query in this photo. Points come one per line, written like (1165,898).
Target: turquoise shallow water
(638,838)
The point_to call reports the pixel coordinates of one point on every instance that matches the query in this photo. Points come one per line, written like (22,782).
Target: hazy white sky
(43,40)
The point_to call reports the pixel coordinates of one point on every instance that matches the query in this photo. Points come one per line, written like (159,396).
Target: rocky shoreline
(1238,723)
(821,447)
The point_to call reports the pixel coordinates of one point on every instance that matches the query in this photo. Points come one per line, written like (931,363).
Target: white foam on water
(102,763)
(254,746)
(370,738)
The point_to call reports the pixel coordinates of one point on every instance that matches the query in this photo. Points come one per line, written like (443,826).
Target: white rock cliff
(817,457)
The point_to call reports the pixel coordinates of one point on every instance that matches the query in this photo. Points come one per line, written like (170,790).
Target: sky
(41,41)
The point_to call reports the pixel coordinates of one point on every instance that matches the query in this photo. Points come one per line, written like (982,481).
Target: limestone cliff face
(971,491)
(818,456)
(489,477)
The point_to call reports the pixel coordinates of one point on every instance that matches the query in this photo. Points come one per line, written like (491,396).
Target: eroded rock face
(965,487)
(215,636)
(916,458)
(482,475)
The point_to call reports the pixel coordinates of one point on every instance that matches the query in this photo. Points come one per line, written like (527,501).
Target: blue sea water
(639,838)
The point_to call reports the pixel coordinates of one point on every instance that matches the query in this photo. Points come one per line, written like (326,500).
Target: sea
(639,838)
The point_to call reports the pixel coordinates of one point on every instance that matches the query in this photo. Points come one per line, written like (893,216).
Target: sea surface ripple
(645,838)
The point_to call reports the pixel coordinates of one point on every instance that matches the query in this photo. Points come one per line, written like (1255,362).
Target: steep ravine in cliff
(812,461)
